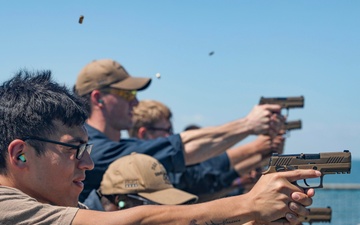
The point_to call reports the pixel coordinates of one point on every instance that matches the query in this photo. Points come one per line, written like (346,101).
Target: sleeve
(169,151)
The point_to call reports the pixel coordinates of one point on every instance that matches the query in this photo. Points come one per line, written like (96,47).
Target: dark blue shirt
(169,151)
(205,177)
(93,201)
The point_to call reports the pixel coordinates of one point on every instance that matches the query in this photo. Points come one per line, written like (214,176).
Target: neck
(101,125)
(4,181)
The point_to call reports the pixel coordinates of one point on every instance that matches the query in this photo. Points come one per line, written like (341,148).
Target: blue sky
(261,48)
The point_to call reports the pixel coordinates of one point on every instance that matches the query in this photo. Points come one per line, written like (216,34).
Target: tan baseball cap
(107,73)
(143,175)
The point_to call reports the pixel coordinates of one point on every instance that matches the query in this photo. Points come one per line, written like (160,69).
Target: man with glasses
(133,180)
(42,139)
(44,153)
(151,119)
(208,180)
(109,91)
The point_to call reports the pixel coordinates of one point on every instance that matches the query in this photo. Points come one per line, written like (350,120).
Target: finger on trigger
(301,174)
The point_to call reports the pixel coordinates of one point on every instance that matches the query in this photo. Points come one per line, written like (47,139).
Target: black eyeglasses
(80,149)
(141,199)
(167,130)
(148,202)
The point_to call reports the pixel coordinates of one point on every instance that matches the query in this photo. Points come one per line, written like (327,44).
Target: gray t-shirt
(18,208)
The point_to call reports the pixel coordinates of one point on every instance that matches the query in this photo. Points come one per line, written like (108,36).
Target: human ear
(142,133)
(96,98)
(121,204)
(16,153)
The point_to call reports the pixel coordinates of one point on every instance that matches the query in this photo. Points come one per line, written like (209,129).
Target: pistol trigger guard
(306,183)
(321,181)
(295,183)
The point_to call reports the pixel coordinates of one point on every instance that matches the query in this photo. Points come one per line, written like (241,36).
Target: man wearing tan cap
(136,179)
(111,95)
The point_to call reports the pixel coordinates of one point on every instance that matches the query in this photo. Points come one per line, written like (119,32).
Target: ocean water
(341,192)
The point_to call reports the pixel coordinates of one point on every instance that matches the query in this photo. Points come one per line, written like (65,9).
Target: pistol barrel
(292,125)
(318,215)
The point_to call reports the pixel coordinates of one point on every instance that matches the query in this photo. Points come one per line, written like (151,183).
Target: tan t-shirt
(18,208)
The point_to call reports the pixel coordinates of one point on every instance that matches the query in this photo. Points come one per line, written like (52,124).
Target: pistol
(292,125)
(317,215)
(326,163)
(284,102)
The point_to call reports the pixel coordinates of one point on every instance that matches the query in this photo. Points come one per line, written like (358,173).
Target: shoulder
(17,207)
(9,194)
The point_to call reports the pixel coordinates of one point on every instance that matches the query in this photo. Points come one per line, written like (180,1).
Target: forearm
(251,163)
(240,153)
(232,212)
(205,143)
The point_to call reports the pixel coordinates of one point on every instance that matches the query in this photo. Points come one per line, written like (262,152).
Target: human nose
(134,102)
(86,162)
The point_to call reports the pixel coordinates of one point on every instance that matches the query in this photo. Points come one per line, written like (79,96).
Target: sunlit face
(119,111)
(56,176)
(162,128)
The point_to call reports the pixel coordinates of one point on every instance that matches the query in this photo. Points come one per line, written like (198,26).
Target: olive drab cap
(107,73)
(143,175)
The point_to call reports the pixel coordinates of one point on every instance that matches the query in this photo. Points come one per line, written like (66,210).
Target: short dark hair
(30,102)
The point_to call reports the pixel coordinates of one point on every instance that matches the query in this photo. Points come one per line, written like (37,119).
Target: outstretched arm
(247,157)
(272,198)
(251,152)
(205,143)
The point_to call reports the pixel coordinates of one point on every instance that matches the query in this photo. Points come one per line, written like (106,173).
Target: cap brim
(170,196)
(133,83)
